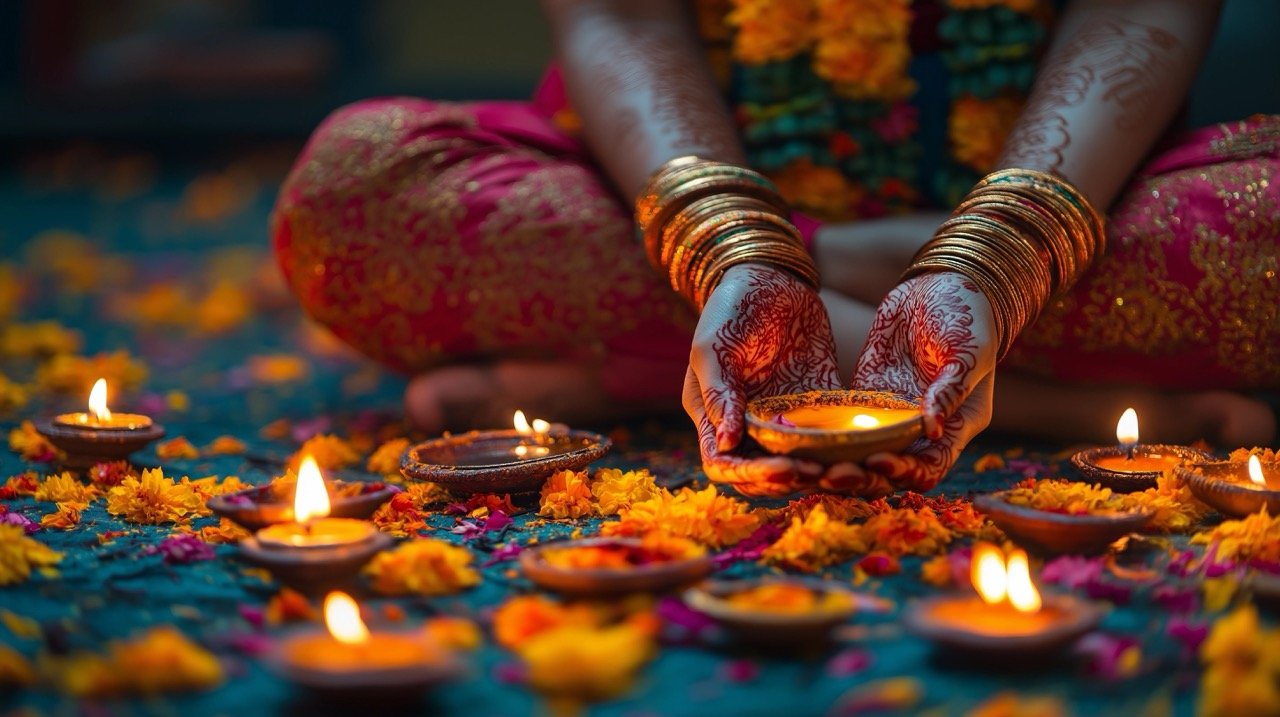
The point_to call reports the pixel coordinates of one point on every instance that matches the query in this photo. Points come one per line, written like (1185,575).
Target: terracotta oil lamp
(99,435)
(1131,466)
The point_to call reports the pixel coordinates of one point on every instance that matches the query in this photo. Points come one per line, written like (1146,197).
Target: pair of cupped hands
(763,333)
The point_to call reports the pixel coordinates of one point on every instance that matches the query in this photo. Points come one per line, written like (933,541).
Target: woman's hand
(932,337)
(762,332)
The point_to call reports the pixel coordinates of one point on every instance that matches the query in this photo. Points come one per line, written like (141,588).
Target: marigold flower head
(771,30)
(574,663)
(24,483)
(1255,537)
(904,531)
(978,127)
(386,459)
(270,369)
(566,494)
(705,516)
(289,605)
(862,48)
(615,490)
(209,486)
(39,339)
(1242,666)
(400,516)
(225,307)
(159,661)
(177,448)
(65,518)
(27,442)
(453,633)
(67,373)
(106,475)
(423,566)
(226,446)
(153,498)
(814,541)
(12,395)
(1174,509)
(65,488)
(20,554)
(329,451)
(225,531)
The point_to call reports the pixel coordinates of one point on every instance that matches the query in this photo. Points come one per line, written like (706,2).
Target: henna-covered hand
(932,338)
(762,332)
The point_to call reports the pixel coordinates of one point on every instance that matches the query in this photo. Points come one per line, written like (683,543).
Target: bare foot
(1089,413)
(455,398)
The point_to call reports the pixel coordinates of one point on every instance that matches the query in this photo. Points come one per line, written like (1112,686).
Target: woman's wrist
(700,218)
(1022,237)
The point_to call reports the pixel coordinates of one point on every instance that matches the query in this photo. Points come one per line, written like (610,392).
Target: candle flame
(521,423)
(862,420)
(1255,471)
(1127,428)
(988,573)
(997,579)
(342,618)
(98,401)
(310,497)
(1022,592)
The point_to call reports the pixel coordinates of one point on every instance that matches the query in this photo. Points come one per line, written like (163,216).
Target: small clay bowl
(1074,618)
(658,577)
(316,570)
(768,628)
(1048,533)
(253,508)
(830,446)
(1085,463)
(398,685)
(1225,487)
(485,462)
(85,447)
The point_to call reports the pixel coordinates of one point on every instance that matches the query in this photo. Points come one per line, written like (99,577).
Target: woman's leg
(477,246)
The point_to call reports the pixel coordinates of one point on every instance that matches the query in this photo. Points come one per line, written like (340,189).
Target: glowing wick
(98,401)
(862,420)
(342,618)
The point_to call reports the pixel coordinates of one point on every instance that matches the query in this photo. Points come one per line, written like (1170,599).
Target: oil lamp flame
(862,420)
(342,619)
(998,580)
(1255,471)
(310,497)
(988,573)
(1127,428)
(98,401)
(1022,592)
(521,423)
(540,426)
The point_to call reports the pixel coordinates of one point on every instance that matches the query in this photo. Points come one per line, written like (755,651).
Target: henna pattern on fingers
(1124,58)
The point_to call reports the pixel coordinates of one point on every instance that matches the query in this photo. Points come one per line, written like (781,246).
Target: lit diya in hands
(835,426)
(1007,618)
(314,552)
(503,461)
(596,567)
(1132,466)
(99,435)
(1235,488)
(350,661)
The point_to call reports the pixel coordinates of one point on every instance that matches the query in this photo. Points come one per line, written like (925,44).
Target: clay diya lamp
(1007,618)
(502,461)
(1235,488)
(1046,532)
(835,426)
(776,611)
(607,567)
(348,662)
(256,508)
(99,435)
(315,552)
(1132,466)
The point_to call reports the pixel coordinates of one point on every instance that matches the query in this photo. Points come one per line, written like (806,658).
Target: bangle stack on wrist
(699,218)
(1023,237)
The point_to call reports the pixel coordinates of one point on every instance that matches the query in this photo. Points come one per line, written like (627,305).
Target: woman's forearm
(636,75)
(1115,77)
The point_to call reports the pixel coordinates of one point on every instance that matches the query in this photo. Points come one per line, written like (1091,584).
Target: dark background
(147,70)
